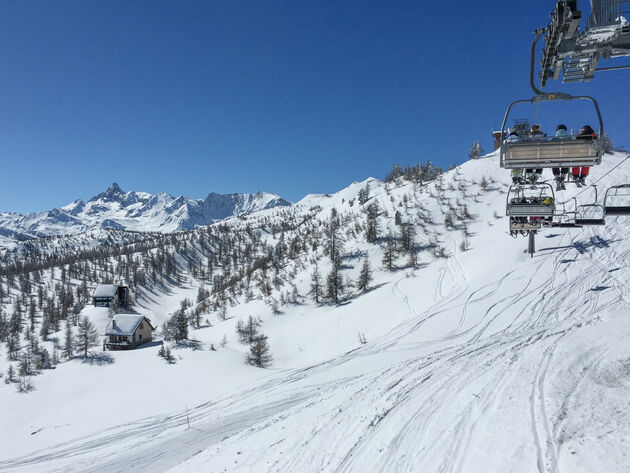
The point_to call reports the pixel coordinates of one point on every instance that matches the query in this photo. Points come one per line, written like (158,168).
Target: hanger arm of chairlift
(548,97)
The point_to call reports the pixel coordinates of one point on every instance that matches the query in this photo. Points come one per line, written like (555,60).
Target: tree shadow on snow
(98,359)
(191,344)
(367,291)
(154,343)
(356,254)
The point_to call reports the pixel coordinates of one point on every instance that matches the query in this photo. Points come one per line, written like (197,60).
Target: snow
(105,290)
(124,324)
(485,361)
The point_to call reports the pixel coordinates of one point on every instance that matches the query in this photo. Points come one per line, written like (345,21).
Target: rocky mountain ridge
(139,211)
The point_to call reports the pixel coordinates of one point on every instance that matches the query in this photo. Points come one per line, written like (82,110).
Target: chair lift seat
(617,210)
(525,226)
(565,225)
(590,221)
(590,214)
(549,154)
(529,210)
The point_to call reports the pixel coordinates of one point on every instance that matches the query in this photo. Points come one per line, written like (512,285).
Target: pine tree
(389,253)
(176,328)
(364,194)
(475,151)
(334,243)
(24,366)
(316,285)
(87,336)
(15,323)
(334,282)
(165,353)
(412,262)
(10,376)
(259,352)
(4,324)
(407,237)
(371,227)
(45,328)
(223,310)
(25,384)
(365,277)
(43,360)
(247,331)
(68,347)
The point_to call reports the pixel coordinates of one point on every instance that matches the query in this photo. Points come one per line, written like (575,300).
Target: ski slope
(486,361)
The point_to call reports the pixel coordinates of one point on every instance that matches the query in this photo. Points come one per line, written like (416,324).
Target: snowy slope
(138,211)
(484,361)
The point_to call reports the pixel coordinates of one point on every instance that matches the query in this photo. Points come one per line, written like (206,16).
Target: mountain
(462,354)
(137,211)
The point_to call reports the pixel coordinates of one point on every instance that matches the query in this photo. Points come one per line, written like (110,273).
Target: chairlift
(590,214)
(615,196)
(570,214)
(525,207)
(555,152)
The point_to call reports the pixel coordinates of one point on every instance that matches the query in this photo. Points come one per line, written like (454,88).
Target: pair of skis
(561,187)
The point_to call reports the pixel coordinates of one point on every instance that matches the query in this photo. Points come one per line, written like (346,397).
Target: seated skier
(513,136)
(560,174)
(579,174)
(535,134)
(517,176)
(549,201)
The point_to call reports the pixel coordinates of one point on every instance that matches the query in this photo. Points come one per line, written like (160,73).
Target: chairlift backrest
(617,200)
(590,214)
(553,152)
(521,205)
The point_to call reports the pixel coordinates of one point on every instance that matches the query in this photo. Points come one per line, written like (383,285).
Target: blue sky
(238,96)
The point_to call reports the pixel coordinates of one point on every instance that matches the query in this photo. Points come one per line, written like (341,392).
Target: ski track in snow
(417,389)
(415,399)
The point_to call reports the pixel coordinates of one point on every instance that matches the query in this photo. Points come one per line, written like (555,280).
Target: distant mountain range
(138,211)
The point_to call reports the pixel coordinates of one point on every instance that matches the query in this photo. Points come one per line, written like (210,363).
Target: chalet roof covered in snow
(105,290)
(125,324)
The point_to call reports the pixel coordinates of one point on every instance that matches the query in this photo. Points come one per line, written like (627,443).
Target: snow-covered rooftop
(105,290)
(125,324)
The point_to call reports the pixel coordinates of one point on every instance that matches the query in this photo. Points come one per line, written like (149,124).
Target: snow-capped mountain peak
(131,210)
(113,192)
